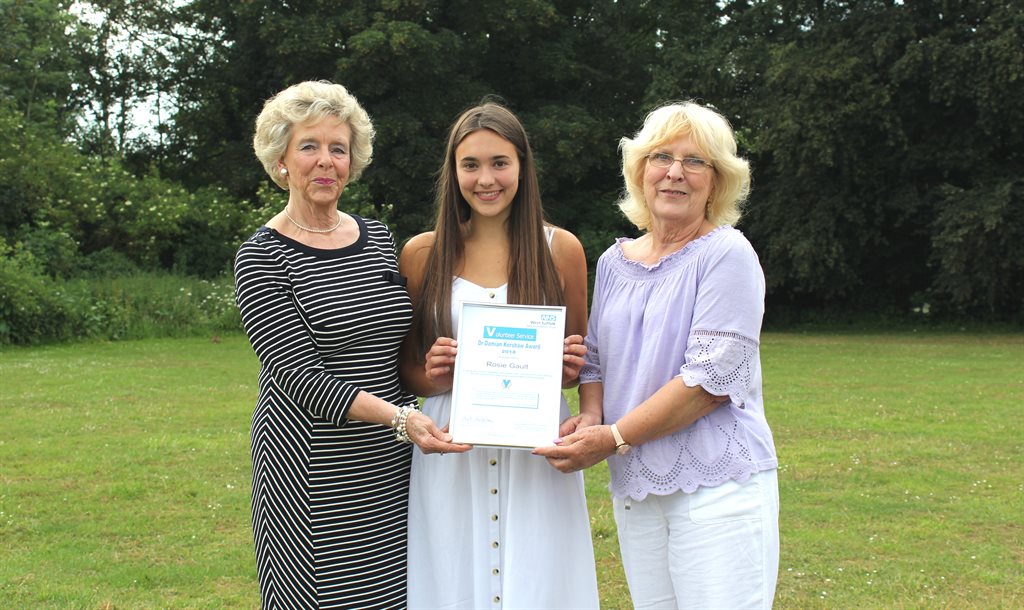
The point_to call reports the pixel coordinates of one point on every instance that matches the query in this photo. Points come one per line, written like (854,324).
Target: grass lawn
(125,474)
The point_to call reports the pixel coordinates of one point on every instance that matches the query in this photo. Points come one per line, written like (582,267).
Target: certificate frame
(507,388)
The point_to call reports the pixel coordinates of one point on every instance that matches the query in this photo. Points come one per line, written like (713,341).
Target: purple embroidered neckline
(668,257)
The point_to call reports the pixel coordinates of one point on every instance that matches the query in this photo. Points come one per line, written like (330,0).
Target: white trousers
(717,547)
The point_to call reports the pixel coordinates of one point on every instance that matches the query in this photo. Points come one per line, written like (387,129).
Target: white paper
(508,375)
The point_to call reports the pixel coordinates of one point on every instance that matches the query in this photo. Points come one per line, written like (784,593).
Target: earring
(284,171)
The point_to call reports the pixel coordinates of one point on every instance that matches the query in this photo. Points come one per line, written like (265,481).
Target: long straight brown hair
(532,276)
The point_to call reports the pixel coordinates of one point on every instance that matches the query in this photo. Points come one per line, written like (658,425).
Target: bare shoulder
(566,249)
(416,250)
(412,262)
(565,245)
(571,262)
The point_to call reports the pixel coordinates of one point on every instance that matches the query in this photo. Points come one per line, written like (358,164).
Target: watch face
(623,449)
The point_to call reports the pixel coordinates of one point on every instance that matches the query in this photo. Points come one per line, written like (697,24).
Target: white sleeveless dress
(496,528)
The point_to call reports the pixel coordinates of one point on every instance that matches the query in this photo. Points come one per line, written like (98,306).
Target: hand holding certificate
(508,375)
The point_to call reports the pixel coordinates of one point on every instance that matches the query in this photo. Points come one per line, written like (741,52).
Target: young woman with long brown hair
(492,528)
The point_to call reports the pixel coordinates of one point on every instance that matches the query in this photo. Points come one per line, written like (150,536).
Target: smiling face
(317,160)
(672,195)
(487,167)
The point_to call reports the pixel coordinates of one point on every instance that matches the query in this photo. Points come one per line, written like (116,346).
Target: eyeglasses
(691,165)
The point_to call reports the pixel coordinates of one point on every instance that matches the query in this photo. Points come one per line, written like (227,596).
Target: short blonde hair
(714,137)
(310,102)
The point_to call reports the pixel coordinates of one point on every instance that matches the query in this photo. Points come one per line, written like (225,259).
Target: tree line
(885,137)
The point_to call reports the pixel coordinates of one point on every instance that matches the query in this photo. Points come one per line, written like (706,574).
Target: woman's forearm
(369,408)
(592,400)
(673,407)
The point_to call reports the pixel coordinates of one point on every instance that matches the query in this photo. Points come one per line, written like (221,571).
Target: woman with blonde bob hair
(712,135)
(326,310)
(671,389)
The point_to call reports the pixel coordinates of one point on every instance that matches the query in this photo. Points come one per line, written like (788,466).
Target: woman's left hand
(573,351)
(578,422)
(579,450)
(428,437)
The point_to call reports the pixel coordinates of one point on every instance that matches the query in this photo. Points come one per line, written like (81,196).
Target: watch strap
(621,446)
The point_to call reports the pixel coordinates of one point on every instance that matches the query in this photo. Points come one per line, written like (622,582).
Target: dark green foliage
(35,308)
(62,204)
(572,70)
(976,244)
(885,138)
(42,66)
(55,250)
(106,263)
(32,307)
(862,121)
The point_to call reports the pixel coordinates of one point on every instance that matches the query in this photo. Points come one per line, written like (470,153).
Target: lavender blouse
(696,313)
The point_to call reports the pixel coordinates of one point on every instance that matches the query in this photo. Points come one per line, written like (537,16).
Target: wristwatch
(621,446)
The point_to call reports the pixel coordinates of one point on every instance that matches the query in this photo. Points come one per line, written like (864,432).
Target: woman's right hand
(428,437)
(439,363)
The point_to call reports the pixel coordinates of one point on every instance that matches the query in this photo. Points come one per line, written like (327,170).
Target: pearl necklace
(312,230)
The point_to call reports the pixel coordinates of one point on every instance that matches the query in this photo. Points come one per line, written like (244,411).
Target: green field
(124,473)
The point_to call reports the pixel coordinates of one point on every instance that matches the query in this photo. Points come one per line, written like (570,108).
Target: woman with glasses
(671,390)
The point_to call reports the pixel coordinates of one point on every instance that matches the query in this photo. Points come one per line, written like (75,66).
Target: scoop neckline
(355,246)
(670,256)
(459,277)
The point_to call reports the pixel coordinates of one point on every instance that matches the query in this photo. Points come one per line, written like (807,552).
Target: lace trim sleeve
(591,371)
(722,363)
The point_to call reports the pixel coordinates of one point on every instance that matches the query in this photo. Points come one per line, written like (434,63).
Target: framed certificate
(508,375)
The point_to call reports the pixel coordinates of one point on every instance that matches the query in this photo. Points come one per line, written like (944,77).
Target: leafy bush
(106,263)
(157,305)
(211,230)
(35,308)
(56,250)
(32,306)
(61,205)
(976,249)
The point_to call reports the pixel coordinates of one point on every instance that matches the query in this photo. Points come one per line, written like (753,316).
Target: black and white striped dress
(330,496)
